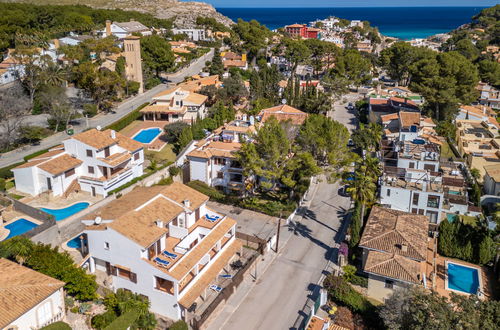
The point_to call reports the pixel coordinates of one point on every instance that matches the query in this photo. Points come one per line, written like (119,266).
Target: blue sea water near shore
(400,22)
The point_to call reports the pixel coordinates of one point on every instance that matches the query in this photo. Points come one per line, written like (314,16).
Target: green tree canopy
(157,54)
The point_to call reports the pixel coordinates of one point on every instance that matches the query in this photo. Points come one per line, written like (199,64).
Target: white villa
(93,161)
(213,161)
(176,104)
(29,299)
(162,242)
(124,29)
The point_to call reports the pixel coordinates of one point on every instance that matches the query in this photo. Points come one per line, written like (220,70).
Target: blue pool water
(147,135)
(463,278)
(453,192)
(451,217)
(75,243)
(61,214)
(20,227)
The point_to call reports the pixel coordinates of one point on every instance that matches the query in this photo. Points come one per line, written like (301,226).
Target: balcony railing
(433,204)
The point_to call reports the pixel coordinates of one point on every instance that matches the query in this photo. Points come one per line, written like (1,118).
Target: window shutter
(108,268)
(133,277)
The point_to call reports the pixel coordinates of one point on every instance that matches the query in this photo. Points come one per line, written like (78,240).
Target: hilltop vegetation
(45,22)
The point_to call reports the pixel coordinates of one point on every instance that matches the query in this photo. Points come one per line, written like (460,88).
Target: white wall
(198,169)
(30,319)
(25,180)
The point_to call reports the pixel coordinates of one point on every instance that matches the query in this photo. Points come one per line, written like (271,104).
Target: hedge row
(124,321)
(128,119)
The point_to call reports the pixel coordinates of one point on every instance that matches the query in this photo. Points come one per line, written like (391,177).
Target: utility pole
(278,234)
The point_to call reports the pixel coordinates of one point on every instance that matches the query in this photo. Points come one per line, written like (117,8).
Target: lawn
(446,151)
(166,154)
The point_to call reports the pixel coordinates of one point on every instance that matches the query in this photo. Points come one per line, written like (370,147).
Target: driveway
(280,293)
(104,120)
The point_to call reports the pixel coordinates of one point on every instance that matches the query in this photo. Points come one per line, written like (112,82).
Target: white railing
(176,231)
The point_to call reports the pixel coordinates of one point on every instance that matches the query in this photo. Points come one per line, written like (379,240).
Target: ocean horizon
(400,22)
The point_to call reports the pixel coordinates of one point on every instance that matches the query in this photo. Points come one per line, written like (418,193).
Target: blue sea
(400,22)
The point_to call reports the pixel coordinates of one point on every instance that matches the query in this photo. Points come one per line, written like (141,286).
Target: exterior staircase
(73,187)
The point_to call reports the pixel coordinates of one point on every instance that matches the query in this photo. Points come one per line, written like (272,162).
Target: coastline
(401,22)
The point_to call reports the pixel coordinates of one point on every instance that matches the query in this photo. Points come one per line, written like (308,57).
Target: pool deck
(58,202)
(139,125)
(10,216)
(486,281)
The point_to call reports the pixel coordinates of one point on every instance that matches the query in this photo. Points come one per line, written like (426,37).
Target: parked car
(350,106)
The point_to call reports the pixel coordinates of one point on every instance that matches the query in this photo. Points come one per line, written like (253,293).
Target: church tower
(132,52)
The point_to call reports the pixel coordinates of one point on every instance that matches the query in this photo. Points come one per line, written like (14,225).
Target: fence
(46,219)
(253,242)
(197,323)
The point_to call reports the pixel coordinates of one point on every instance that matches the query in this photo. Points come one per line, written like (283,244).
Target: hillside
(183,13)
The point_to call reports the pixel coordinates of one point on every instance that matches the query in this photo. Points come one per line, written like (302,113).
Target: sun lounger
(215,288)
(160,262)
(226,276)
(212,218)
(169,255)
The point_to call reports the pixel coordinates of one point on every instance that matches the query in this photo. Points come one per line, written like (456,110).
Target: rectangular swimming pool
(462,278)
(146,136)
(20,227)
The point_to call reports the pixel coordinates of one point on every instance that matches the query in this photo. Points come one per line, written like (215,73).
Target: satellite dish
(98,128)
(97,220)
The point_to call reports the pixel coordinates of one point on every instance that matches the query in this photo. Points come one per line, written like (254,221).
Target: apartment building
(394,247)
(489,95)
(478,143)
(29,299)
(214,161)
(380,106)
(94,161)
(176,104)
(162,242)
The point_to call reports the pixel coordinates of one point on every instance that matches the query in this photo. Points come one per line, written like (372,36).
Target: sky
(350,3)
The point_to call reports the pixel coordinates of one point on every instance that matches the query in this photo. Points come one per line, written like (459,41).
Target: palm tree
(376,132)
(362,190)
(19,248)
(55,75)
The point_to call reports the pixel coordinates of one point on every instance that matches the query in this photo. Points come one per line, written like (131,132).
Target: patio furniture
(160,262)
(212,219)
(226,276)
(237,264)
(169,255)
(215,288)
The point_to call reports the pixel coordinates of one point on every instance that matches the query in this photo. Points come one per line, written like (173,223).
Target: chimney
(159,223)
(113,134)
(404,248)
(108,28)
(57,44)
(186,203)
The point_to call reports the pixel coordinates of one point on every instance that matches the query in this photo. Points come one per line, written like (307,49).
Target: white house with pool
(94,161)
(162,242)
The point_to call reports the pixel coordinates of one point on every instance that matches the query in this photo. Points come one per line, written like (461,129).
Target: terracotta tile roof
(167,91)
(127,143)
(116,159)
(30,163)
(402,100)
(48,154)
(393,266)
(427,120)
(209,275)
(389,117)
(234,63)
(180,192)
(96,139)
(378,101)
(60,164)
(162,108)
(392,231)
(409,118)
(295,26)
(21,289)
(195,98)
(216,149)
(188,261)
(284,112)
(478,110)
(493,171)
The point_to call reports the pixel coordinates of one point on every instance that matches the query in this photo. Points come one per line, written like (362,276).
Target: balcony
(107,182)
(433,204)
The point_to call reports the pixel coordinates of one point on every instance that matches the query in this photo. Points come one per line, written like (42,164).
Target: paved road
(103,120)
(280,293)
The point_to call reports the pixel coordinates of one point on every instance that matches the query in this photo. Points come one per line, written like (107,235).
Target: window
(106,245)
(91,169)
(106,152)
(136,156)
(421,212)
(429,167)
(389,284)
(69,173)
(415,198)
(433,201)
(220,175)
(412,165)
(90,153)
(414,210)
(164,285)
(433,216)
(44,313)
(388,192)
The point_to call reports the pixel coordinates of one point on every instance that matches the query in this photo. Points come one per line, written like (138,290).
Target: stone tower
(132,52)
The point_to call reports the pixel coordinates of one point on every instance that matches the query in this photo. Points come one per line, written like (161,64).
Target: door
(93,191)
(49,184)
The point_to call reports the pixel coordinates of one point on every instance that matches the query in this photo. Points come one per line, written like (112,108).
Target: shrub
(174,170)
(128,119)
(124,321)
(152,82)
(90,109)
(57,326)
(179,325)
(6,172)
(165,181)
(35,154)
(2,185)
(101,321)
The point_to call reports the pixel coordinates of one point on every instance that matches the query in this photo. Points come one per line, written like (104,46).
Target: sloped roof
(388,230)
(493,171)
(21,289)
(60,164)
(284,112)
(95,138)
(393,266)
(216,149)
(409,118)
(132,26)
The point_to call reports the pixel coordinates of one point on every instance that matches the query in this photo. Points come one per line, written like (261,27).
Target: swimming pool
(20,227)
(453,192)
(147,135)
(451,217)
(462,278)
(75,243)
(61,214)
